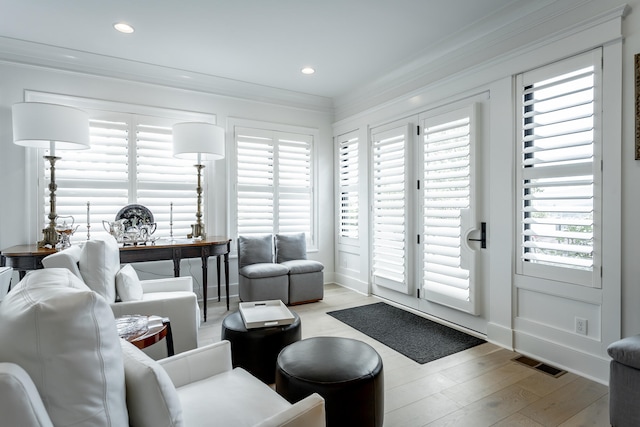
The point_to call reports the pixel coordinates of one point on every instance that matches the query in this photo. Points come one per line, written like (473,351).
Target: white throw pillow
(64,336)
(152,399)
(99,263)
(128,285)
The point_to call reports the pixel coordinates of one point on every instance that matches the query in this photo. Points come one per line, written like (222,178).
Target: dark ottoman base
(256,350)
(347,373)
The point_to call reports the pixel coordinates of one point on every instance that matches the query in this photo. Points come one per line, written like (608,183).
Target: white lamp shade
(38,124)
(193,138)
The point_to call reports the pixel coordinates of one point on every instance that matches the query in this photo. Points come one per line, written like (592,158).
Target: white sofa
(57,335)
(97,263)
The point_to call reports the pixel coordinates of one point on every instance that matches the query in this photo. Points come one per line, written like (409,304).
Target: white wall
(18,227)
(538,319)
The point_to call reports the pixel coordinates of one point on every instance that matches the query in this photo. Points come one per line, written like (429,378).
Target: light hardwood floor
(478,387)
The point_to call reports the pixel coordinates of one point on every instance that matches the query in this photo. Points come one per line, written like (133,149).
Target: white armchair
(97,263)
(21,404)
(56,334)
(209,392)
(234,397)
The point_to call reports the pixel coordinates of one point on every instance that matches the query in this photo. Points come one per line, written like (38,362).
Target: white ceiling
(265,42)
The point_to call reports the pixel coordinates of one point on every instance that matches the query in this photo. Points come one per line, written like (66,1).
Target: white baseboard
(351,283)
(500,335)
(587,365)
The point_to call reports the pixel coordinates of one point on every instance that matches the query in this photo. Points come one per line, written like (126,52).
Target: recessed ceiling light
(308,70)
(123,28)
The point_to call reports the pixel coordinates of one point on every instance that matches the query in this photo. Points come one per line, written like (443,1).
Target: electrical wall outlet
(581,326)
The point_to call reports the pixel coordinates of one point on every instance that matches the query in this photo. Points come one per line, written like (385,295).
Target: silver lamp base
(197,230)
(50,238)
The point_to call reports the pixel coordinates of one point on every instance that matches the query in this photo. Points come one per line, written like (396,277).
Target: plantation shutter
(256,184)
(449,210)
(348,177)
(274,182)
(389,216)
(163,179)
(98,176)
(294,184)
(559,173)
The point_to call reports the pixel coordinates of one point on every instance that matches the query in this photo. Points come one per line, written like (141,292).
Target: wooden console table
(29,257)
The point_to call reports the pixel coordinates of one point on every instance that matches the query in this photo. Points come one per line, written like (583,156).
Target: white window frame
(101,109)
(260,126)
(574,276)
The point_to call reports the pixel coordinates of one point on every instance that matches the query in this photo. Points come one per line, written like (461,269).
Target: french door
(390,207)
(448,211)
(427,215)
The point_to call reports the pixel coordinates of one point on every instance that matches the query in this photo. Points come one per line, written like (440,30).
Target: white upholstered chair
(97,263)
(62,363)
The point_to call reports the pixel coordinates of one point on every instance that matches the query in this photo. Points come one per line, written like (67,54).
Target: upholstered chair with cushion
(97,263)
(624,382)
(306,277)
(259,278)
(62,363)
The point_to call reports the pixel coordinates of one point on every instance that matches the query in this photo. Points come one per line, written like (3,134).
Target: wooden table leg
(169,337)
(219,272)
(205,258)
(177,256)
(226,276)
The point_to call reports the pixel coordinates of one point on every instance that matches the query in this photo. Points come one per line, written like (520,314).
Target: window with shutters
(559,172)
(390,178)
(274,182)
(348,186)
(130,161)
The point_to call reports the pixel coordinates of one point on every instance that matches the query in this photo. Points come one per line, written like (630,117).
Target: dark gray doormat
(417,338)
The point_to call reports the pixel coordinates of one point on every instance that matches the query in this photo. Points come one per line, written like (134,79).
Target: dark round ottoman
(347,373)
(256,350)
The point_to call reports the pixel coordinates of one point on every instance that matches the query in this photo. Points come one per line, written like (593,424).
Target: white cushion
(234,398)
(66,258)
(64,336)
(152,399)
(128,284)
(99,263)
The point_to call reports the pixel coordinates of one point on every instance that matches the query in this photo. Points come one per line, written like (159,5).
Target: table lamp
(42,125)
(198,141)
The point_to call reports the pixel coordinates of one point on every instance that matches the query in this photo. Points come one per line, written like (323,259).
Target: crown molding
(546,21)
(46,56)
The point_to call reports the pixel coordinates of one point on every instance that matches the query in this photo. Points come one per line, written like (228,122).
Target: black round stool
(347,373)
(256,350)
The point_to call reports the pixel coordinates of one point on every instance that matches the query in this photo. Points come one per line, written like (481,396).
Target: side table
(157,328)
